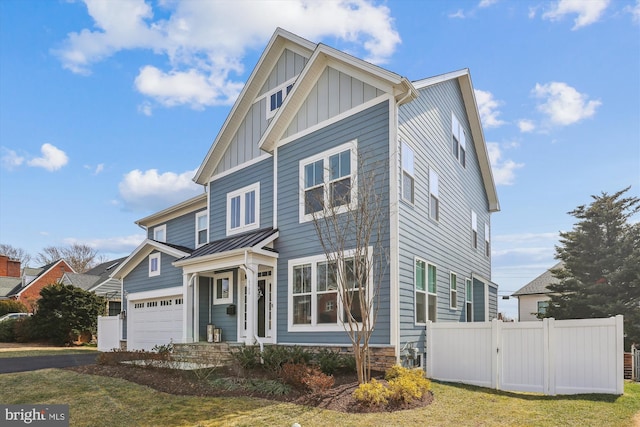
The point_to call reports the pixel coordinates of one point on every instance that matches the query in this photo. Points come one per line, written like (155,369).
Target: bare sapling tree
(81,257)
(349,216)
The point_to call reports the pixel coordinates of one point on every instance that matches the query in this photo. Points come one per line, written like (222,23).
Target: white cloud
(634,11)
(205,41)
(588,12)
(487,3)
(10,159)
(503,170)
(150,190)
(563,104)
(526,125)
(458,14)
(488,108)
(123,244)
(52,158)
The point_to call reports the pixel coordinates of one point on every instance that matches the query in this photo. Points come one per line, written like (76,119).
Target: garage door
(154,321)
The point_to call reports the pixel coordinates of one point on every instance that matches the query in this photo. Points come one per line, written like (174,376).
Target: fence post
(549,333)
(495,340)
(619,354)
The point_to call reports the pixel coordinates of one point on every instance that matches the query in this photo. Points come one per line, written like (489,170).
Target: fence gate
(635,364)
(550,357)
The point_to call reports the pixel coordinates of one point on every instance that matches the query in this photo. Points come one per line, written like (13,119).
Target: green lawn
(101,401)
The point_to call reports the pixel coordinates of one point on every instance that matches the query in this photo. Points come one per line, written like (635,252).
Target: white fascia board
(191,205)
(430,81)
(141,252)
(280,40)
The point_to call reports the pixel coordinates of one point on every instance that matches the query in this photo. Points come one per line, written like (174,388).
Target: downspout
(247,270)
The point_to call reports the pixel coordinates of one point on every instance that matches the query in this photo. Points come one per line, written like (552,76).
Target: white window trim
(434,190)
(487,240)
(241,192)
(315,327)
(216,299)
(163,228)
(459,133)
(474,230)
(434,294)
(267,96)
(404,144)
(416,291)
(468,298)
(198,216)
(453,291)
(157,257)
(351,145)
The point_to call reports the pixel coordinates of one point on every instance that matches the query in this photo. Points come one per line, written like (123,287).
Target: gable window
(421,291)
(223,288)
(407,172)
(459,140)
(434,196)
(154,264)
(453,290)
(314,300)
(160,233)
(432,292)
(328,182)
(202,228)
(487,246)
(474,230)
(468,300)
(276,97)
(243,207)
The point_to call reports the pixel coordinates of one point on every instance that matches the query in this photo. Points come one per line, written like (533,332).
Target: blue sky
(107,108)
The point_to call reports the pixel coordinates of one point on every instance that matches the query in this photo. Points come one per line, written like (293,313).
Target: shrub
(406,385)
(7,330)
(372,393)
(246,356)
(330,361)
(317,381)
(11,306)
(275,356)
(294,374)
(25,330)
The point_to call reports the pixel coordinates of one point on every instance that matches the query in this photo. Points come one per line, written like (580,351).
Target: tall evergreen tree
(601,272)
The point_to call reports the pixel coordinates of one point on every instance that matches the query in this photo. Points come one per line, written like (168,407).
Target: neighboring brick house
(28,288)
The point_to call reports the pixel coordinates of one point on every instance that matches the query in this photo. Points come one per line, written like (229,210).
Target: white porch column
(252,302)
(187,307)
(195,313)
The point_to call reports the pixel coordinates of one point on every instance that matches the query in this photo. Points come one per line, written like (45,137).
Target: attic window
(459,141)
(276,98)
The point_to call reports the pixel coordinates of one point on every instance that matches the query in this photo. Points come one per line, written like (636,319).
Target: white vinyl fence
(550,357)
(109,328)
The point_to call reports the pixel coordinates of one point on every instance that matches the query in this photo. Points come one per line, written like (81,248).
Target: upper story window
(487,245)
(328,182)
(202,228)
(474,230)
(407,173)
(154,264)
(160,233)
(434,195)
(459,140)
(277,96)
(243,209)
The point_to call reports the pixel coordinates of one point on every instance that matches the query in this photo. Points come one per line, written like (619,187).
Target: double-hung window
(468,296)
(407,172)
(160,233)
(315,284)
(487,245)
(434,196)
(202,228)
(432,292)
(154,264)
(328,182)
(459,140)
(453,291)
(474,230)
(243,209)
(421,291)
(276,97)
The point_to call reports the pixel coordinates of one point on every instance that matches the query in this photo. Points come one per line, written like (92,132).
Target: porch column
(187,307)
(252,302)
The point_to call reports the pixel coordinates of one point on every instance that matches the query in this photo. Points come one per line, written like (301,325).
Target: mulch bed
(184,383)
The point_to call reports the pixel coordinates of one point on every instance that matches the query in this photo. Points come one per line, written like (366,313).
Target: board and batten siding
(244,144)
(261,172)
(334,93)
(370,128)
(181,230)
(425,125)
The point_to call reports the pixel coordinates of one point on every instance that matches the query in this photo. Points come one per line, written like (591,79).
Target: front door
(264,315)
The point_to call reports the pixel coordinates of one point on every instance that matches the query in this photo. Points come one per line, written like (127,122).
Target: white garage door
(154,321)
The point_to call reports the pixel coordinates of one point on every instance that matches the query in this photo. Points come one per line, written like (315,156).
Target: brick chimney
(9,267)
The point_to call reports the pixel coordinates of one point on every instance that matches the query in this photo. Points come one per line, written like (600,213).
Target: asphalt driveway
(33,363)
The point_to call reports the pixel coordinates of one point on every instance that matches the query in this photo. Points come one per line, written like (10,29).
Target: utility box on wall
(231,309)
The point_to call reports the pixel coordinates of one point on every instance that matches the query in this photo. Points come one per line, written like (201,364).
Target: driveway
(33,363)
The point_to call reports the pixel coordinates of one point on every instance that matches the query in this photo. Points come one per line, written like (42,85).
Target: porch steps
(203,352)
